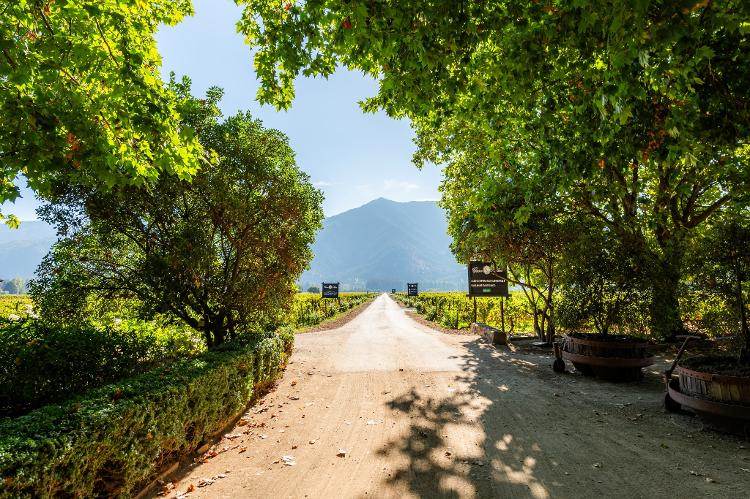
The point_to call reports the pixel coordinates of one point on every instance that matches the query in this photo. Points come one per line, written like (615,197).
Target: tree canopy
(81,95)
(221,252)
(640,111)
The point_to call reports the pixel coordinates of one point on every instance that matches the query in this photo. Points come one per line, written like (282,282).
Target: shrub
(112,442)
(41,364)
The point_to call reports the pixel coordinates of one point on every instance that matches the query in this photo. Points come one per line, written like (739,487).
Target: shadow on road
(513,428)
(487,457)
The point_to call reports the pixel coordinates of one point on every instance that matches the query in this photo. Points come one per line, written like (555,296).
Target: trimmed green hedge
(43,364)
(112,441)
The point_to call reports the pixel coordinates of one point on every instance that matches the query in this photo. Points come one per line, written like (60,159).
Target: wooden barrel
(614,358)
(727,389)
(615,347)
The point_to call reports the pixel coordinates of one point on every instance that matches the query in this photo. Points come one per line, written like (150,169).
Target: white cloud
(325,183)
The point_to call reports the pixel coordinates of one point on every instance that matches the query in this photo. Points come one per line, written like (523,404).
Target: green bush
(42,364)
(112,441)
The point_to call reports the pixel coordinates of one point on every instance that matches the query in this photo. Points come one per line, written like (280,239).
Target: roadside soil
(419,413)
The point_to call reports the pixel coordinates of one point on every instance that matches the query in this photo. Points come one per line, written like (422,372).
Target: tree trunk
(665,279)
(745,334)
(537,331)
(550,330)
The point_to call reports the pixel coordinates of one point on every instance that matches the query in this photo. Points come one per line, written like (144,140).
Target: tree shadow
(485,461)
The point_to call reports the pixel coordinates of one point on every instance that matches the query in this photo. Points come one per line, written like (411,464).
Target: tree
(15,286)
(599,283)
(643,108)
(496,216)
(313,289)
(81,95)
(720,263)
(221,252)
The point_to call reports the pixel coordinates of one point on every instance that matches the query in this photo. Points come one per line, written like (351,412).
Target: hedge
(42,364)
(113,441)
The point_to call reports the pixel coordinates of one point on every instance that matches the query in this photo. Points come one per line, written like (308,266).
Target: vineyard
(310,309)
(13,304)
(456,310)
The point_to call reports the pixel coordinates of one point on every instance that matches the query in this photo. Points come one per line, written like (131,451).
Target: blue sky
(351,156)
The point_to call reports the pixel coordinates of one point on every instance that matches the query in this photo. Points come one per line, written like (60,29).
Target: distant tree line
(14,286)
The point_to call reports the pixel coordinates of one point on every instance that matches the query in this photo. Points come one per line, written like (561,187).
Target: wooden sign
(486,280)
(330,290)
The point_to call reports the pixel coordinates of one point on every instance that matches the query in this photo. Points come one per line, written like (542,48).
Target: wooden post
(502,313)
(475,309)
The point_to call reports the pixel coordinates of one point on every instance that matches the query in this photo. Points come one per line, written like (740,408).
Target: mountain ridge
(383,244)
(378,246)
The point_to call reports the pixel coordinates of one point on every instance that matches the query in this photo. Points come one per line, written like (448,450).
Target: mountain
(383,245)
(22,249)
(379,246)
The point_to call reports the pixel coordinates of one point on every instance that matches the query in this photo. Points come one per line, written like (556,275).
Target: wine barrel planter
(614,358)
(722,401)
(726,389)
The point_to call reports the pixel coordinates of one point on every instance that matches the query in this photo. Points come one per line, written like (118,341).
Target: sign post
(393,291)
(330,290)
(412,289)
(486,280)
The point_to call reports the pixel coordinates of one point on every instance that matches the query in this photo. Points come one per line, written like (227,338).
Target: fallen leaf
(205,482)
(341,453)
(191,488)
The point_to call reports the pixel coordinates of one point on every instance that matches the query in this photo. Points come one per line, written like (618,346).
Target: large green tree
(221,252)
(642,108)
(80,91)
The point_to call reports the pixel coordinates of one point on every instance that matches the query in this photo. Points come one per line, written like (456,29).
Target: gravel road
(418,413)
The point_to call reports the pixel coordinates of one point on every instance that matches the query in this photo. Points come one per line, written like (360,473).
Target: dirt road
(425,414)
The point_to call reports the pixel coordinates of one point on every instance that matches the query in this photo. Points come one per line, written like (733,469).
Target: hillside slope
(382,245)
(22,249)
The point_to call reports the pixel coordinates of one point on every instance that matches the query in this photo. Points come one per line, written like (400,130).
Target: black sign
(411,289)
(330,290)
(486,280)
(393,290)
